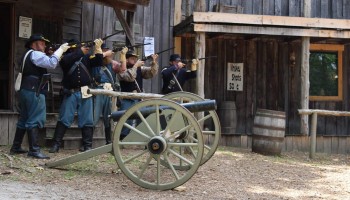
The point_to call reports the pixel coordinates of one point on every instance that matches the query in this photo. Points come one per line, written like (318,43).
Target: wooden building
(271,40)
(283,47)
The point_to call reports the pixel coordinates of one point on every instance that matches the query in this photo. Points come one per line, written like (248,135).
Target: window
(326,72)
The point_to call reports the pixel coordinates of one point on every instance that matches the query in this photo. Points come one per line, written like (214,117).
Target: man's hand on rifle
(194,64)
(139,63)
(154,57)
(63,48)
(98,43)
(123,54)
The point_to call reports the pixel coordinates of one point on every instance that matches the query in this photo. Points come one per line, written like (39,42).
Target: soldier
(76,66)
(175,76)
(131,80)
(32,93)
(104,77)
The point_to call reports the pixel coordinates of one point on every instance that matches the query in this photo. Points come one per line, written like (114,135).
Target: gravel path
(230,174)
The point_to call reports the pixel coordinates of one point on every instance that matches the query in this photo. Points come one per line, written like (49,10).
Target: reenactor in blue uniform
(132,79)
(175,76)
(76,66)
(34,86)
(105,78)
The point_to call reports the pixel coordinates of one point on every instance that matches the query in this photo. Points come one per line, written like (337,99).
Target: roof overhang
(211,22)
(129,5)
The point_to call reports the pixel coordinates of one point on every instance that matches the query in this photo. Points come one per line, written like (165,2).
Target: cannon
(169,138)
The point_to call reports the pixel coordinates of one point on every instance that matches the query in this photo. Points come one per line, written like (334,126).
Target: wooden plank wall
(319,8)
(155,21)
(7,127)
(270,81)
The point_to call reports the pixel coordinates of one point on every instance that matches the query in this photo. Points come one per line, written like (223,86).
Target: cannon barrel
(198,106)
(124,95)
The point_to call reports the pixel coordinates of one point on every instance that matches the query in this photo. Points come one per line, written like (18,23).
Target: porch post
(305,73)
(200,52)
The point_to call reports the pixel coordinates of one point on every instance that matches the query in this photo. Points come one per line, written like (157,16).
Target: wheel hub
(157,145)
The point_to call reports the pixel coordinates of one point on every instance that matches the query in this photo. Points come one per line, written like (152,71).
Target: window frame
(339,49)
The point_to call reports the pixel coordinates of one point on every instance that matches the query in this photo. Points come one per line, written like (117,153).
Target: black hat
(104,46)
(33,38)
(131,53)
(175,57)
(75,41)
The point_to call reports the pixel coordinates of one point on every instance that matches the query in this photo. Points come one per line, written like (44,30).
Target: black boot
(87,133)
(57,137)
(34,149)
(108,135)
(17,142)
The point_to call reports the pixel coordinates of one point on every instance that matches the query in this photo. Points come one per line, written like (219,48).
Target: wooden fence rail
(314,113)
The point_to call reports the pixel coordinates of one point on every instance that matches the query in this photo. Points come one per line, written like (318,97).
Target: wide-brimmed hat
(175,57)
(131,53)
(33,38)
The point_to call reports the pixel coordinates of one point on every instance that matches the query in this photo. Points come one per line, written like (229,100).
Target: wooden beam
(138,2)
(125,25)
(116,4)
(268,20)
(271,31)
(177,12)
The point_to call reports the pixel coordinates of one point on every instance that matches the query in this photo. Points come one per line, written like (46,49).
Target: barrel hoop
(260,114)
(263,137)
(269,127)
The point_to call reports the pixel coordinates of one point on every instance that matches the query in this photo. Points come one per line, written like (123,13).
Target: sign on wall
(149,48)
(25,27)
(235,76)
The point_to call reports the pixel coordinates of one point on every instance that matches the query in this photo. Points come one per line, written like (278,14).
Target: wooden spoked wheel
(147,156)
(209,122)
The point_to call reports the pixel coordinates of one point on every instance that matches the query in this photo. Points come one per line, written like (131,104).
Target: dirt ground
(231,173)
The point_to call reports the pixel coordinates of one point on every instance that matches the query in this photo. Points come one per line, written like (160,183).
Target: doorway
(6,55)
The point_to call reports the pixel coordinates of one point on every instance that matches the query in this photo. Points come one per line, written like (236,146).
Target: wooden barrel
(268,132)
(228,117)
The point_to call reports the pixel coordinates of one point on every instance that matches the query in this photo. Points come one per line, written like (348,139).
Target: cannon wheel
(140,154)
(212,135)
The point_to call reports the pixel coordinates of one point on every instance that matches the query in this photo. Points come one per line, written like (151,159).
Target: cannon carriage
(170,138)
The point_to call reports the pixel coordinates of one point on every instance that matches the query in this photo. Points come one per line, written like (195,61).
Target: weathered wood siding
(337,9)
(270,81)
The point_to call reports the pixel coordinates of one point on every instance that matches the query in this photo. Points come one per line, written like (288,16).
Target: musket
(92,43)
(189,61)
(150,56)
(137,45)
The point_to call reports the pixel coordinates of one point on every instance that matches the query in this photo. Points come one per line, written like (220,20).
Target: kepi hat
(174,57)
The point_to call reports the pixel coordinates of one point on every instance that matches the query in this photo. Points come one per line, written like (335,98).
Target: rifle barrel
(148,57)
(136,45)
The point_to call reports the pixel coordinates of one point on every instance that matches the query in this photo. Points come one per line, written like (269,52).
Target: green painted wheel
(153,141)
(209,122)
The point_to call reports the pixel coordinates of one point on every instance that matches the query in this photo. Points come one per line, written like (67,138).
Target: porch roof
(212,22)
